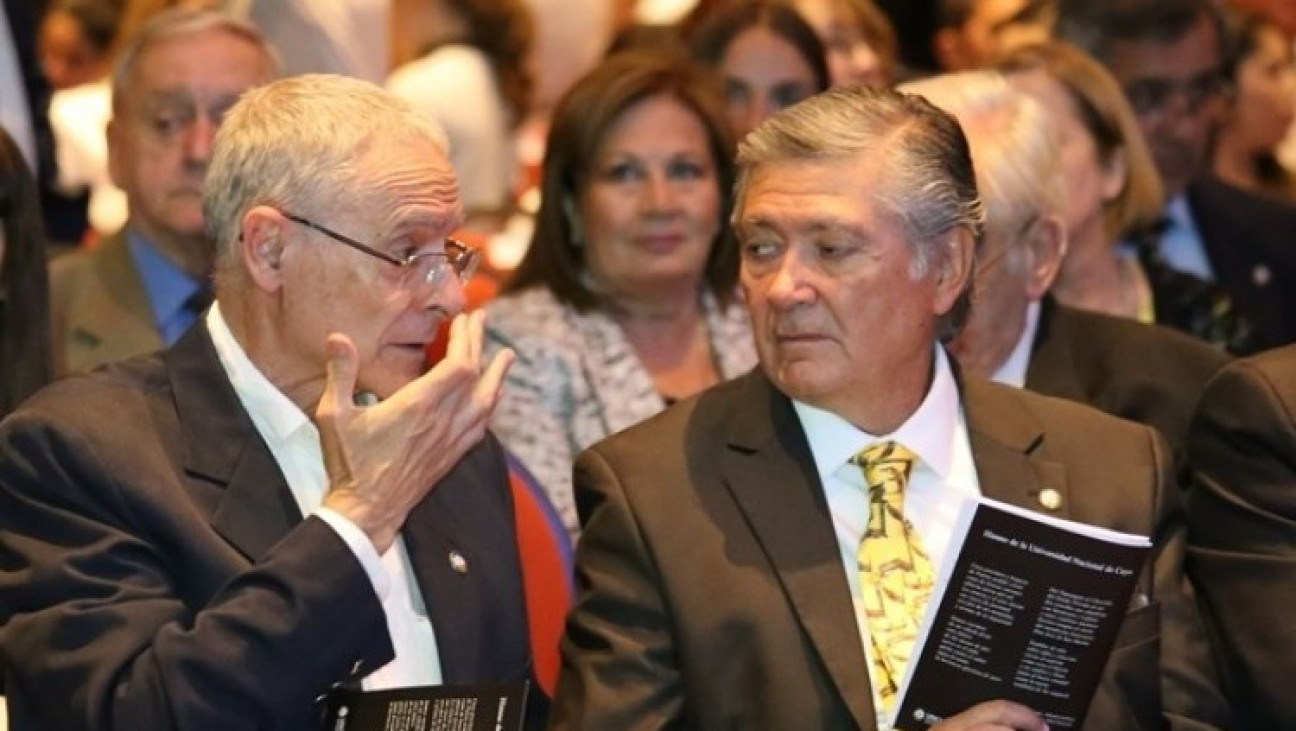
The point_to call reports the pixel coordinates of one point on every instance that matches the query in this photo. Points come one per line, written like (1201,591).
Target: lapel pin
(1051,499)
(458,563)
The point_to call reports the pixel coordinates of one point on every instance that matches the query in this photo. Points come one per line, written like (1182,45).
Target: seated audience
(1017,333)
(1260,108)
(1169,58)
(858,40)
(1242,531)
(143,287)
(25,358)
(768,57)
(217,535)
(719,573)
(1114,194)
(626,299)
(472,77)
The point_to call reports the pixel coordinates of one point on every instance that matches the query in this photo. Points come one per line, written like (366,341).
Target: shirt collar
(1012,372)
(167,285)
(275,416)
(931,432)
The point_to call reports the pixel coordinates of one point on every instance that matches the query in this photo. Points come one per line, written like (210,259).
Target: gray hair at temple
(183,21)
(294,144)
(926,183)
(1015,147)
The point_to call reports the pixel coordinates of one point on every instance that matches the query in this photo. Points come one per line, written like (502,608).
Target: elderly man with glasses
(212,537)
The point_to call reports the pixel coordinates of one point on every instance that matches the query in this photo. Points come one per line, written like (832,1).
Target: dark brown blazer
(156,573)
(1154,376)
(712,593)
(1144,373)
(99,309)
(1242,531)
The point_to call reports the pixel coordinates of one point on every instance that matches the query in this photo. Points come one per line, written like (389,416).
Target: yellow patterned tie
(896,575)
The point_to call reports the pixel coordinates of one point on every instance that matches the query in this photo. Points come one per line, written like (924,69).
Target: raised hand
(383,459)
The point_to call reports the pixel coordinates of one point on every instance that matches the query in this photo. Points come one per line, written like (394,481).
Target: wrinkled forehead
(407,179)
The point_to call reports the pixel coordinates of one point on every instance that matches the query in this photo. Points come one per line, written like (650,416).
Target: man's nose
(789,283)
(199,138)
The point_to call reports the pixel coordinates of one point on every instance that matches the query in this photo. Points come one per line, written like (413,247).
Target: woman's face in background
(763,73)
(649,211)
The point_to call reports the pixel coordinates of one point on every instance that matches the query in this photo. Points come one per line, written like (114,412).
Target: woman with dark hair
(24,285)
(473,79)
(626,299)
(1261,108)
(767,55)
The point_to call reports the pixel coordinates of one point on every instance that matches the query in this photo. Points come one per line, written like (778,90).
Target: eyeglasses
(428,267)
(1154,96)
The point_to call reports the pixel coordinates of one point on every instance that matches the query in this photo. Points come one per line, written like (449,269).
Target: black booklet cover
(430,708)
(1026,612)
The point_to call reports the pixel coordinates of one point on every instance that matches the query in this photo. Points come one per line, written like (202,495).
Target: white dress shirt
(1012,372)
(942,479)
(294,442)
(1181,245)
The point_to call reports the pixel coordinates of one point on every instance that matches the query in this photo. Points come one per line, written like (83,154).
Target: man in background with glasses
(214,536)
(1170,58)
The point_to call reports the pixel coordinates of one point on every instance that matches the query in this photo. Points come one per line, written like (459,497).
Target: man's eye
(760,250)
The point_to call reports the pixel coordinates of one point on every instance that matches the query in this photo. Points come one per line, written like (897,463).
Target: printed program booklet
(1027,611)
(430,708)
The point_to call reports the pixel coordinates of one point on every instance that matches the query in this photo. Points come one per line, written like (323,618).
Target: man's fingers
(457,346)
(340,377)
(491,383)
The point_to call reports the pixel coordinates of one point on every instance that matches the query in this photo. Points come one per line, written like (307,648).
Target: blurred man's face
(164,120)
(1176,89)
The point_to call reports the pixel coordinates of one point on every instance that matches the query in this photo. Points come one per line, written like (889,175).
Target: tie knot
(886,463)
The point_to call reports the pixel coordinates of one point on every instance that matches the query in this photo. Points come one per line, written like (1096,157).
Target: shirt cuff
(362,547)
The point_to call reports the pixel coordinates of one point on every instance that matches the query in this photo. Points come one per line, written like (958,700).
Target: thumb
(340,378)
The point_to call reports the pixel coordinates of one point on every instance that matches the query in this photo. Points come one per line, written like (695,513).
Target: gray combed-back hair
(926,179)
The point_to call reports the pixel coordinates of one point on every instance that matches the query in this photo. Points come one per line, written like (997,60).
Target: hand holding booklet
(1026,610)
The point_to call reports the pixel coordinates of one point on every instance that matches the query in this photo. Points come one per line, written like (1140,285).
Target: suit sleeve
(1192,697)
(618,655)
(1242,520)
(98,632)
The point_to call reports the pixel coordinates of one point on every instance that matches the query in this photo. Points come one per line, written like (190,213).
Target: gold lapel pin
(458,563)
(1051,499)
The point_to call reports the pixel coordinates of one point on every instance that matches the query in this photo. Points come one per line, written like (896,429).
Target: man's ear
(116,151)
(1046,244)
(954,267)
(261,243)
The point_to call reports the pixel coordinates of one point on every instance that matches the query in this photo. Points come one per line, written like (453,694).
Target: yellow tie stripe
(896,575)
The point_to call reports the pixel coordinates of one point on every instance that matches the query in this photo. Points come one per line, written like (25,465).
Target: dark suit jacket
(1143,373)
(1154,376)
(712,593)
(1242,531)
(156,572)
(1248,240)
(99,309)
